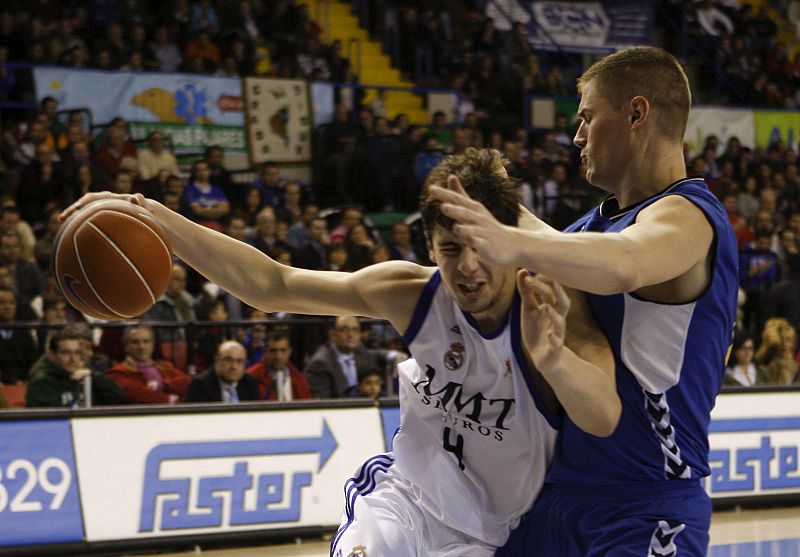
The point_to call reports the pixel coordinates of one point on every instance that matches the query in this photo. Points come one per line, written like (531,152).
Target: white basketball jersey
(475,439)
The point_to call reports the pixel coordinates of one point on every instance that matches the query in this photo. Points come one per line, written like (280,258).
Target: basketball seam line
(86,276)
(127,260)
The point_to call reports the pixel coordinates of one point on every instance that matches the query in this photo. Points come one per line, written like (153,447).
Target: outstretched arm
(569,351)
(669,238)
(377,291)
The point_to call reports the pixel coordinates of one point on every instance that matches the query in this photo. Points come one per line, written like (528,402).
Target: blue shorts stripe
(363,483)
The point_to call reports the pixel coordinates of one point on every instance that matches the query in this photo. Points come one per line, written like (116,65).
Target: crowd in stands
(364,162)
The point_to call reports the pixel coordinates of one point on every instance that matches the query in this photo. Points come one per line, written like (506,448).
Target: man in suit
(333,369)
(226,381)
(279,378)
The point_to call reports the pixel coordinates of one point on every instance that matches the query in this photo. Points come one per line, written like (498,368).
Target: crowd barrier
(147,477)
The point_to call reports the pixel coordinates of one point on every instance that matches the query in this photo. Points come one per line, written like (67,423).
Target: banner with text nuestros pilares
(195,111)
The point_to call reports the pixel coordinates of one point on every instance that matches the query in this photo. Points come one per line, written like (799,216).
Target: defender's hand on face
(544,309)
(475,224)
(136,199)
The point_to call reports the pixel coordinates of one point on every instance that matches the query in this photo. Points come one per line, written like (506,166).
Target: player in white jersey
(476,436)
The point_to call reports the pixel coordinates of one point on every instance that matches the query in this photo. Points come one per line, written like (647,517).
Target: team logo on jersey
(358,551)
(454,358)
(455,329)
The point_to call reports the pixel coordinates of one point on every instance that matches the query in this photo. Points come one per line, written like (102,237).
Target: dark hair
(482,174)
(738,341)
(277,335)
(368,372)
(67,333)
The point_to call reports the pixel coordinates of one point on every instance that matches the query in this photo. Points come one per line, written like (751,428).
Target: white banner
(722,122)
(754,444)
(278,115)
(152,476)
(195,111)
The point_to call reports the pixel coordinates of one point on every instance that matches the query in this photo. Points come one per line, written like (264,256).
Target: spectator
(11,223)
(270,183)
(143,379)
(278,377)
(115,146)
(778,352)
(26,278)
(166,51)
(758,271)
(290,210)
(784,298)
(61,377)
(351,216)
(207,203)
(430,155)
(741,371)
(400,247)
(266,239)
(370,383)
(156,158)
(313,254)
(334,367)
(203,50)
(226,381)
(221,176)
(40,185)
(339,156)
(175,305)
(17,347)
(300,232)
(359,244)
(213,309)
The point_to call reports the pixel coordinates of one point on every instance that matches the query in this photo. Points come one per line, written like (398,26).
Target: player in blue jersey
(476,436)
(658,260)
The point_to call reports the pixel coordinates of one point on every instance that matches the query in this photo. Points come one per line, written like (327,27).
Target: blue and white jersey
(670,362)
(474,441)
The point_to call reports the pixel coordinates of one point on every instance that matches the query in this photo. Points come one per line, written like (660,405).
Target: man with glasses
(226,381)
(333,369)
(62,378)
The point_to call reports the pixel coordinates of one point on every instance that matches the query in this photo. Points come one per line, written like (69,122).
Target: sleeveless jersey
(670,361)
(475,440)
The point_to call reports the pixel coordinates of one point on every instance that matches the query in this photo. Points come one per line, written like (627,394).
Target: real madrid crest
(454,358)
(358,551)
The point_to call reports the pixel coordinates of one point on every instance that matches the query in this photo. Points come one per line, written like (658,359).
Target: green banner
(186,137)
(777,124)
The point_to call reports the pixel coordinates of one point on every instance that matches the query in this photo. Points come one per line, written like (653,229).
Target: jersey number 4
(456,448)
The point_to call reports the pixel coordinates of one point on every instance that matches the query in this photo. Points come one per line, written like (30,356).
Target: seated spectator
(337,258)
(226,380)
(58,379)
(221,177)
(115,146)
(165,51)
(784,298)
(334,367)
(27,280)
(207,203)
(359,245)
(266,235)
(400,246)
(270,183)
(156,157)
(255,337)
(778,352)
(98,361)
(17,347)
(430,155)
(11,223)
(40,186)
(203,49)
(370,384)
(758,271)
(278,377)
(175,305)
(208,338)
(143,379)
(741,371)
(300,232)
(313,254)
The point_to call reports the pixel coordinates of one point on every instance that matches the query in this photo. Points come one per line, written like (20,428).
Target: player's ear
(639,111)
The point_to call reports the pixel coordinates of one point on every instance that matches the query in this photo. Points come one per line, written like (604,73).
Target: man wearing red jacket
(142,379)
(279,379)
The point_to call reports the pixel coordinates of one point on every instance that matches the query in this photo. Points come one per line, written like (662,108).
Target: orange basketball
(112,260)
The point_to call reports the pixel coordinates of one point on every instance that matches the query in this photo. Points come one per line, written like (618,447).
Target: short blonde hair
(649,72)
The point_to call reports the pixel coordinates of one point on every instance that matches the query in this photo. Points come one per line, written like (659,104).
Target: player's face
(603,138)
(482,290)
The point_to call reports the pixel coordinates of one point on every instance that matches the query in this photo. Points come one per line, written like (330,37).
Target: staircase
(375,66)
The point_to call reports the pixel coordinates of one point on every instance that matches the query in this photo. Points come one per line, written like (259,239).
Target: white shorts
(382,518)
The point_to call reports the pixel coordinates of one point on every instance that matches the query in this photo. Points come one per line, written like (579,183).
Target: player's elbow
(605,424)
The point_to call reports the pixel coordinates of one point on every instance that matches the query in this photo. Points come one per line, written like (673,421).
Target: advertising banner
(194,111)
(582,27)
(39,501)
(278,115)
(722,122)
(772,125)
(754,442)
(151,476)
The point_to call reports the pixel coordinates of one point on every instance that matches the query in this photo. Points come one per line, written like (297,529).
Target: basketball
(112,260)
